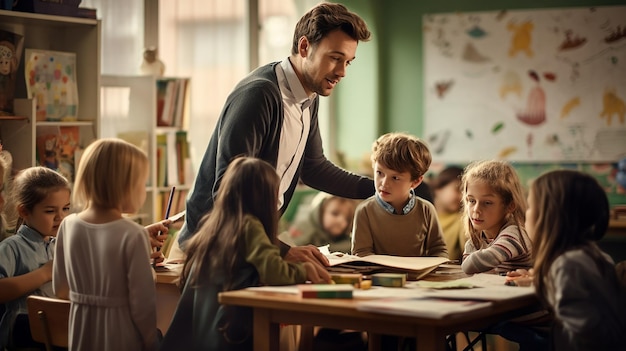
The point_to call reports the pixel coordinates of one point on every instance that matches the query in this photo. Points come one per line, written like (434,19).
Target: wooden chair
(49,318)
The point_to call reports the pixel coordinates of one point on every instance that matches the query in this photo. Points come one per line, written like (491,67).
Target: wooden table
(271,309)
(168,295)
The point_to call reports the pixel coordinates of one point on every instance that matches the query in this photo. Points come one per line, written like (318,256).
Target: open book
(415,267)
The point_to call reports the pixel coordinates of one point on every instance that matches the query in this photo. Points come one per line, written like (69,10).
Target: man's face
(326,64)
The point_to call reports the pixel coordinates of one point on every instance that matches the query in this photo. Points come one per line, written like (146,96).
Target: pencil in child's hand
(169,203)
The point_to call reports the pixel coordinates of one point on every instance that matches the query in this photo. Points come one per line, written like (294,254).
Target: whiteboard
(526,85)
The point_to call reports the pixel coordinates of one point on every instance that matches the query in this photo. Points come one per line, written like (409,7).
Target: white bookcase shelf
(129,111)
(56,33)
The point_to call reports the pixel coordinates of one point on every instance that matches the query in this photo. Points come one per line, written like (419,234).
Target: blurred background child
(568,213)
(102,260)
(329,222)
(235,248)
(447,193)
(42,197)
(494,209)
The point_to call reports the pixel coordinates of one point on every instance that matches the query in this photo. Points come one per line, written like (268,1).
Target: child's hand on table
(316,275)
(520,277)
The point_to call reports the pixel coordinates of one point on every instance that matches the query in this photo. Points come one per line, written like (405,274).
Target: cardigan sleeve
(321,174)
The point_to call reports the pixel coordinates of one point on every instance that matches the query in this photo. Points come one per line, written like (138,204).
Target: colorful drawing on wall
(553,77)
(51,81)
(58,148)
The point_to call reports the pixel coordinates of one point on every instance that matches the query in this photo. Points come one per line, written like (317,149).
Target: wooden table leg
(266,333)
(306,338)
(430,339)
(374,342)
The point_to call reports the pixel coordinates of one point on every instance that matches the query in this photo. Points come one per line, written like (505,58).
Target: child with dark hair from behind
(494,207)
(395,221)
(102,260)
(568,213)
(42,197)
(235,248)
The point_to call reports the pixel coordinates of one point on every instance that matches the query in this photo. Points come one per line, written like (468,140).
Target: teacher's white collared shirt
(296,125)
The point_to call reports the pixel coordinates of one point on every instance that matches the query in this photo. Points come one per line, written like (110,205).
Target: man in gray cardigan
(272,115)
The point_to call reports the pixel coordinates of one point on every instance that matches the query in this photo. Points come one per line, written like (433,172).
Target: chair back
(49,320)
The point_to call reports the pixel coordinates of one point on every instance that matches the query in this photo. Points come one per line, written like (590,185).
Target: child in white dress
(103,259)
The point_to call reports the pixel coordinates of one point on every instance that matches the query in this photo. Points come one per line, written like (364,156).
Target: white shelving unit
(129,111)
(56,33)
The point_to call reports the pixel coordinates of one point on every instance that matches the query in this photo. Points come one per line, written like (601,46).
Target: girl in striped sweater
(494,214)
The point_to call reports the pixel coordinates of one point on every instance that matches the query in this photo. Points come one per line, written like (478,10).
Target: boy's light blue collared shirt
(22,253)
(406,209)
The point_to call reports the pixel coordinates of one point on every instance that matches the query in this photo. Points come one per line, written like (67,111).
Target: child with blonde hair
(235,248)
(394,221)
(42,197)
(494,216)
(103,259)
(568,213)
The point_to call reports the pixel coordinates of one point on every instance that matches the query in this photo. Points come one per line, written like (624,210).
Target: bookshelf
(132,110)
(80,36)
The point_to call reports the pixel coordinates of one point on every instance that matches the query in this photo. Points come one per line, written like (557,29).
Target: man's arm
(321,174)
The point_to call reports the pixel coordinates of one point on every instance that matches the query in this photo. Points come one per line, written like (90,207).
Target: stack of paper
(422,307)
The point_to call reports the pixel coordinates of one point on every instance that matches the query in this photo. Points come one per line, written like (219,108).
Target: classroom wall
(384,92)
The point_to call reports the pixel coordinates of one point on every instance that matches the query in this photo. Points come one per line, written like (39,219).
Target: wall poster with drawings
(526,85)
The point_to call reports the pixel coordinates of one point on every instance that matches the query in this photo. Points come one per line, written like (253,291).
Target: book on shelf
(58,148)
(161,161)
(171,101)
(173,161)
(178,202)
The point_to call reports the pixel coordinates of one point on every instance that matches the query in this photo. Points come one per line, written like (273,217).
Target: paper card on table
(491,293)
(422,307)
(449,284)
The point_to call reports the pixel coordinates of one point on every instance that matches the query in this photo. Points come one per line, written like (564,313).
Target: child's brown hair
(402,152)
